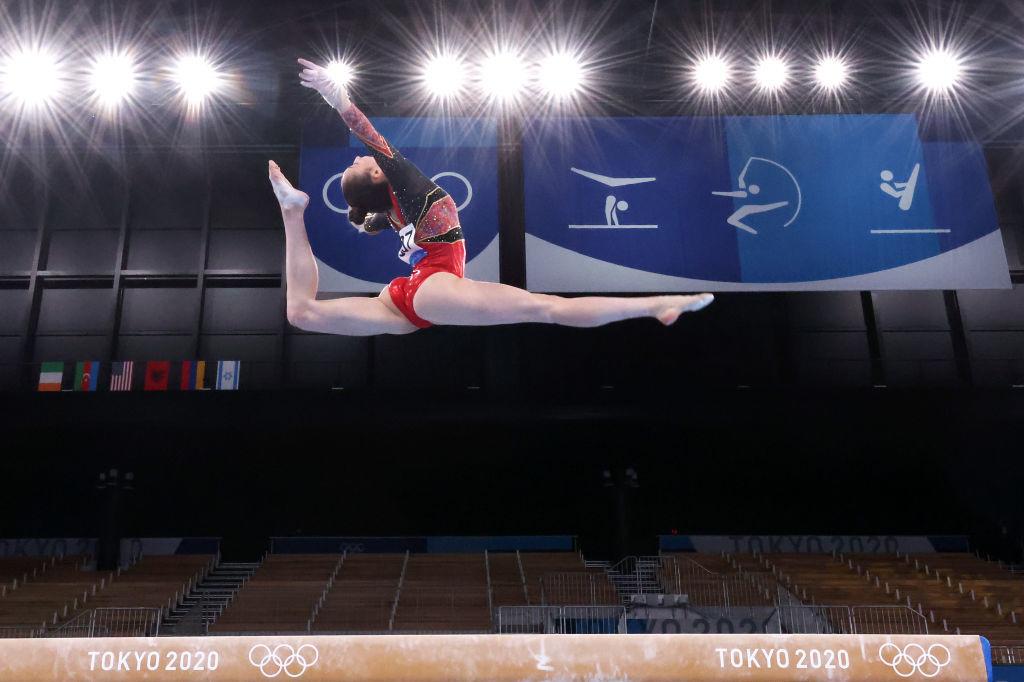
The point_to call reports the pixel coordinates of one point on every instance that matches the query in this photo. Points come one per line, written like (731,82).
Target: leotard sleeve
(422,203)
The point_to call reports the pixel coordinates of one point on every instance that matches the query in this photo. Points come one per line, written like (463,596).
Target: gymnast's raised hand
(385,191)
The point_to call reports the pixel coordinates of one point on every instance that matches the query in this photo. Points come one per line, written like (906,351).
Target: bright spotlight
(112,78)
(831,73)
(340,72)
(503,75)
(771,73)
(711,74)
(561,75)
(196,78)
(31,77)
(939,70)
(444,75)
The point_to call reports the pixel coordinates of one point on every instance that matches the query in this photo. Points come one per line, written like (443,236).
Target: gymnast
(384,190)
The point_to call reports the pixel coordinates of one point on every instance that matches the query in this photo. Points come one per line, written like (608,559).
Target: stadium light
(771,73)
(444,75)
(831,72)
(340,72)
(112,78)
(939,70)
(561,75)
(503,76)
(196,78)
(32,77)
(711,73)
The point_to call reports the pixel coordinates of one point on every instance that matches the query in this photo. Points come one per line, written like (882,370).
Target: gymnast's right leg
(353,316)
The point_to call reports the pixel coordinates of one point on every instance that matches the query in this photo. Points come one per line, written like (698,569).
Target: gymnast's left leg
(446,299)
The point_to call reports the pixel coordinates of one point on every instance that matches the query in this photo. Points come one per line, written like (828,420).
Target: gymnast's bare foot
(290,198)
(669,308)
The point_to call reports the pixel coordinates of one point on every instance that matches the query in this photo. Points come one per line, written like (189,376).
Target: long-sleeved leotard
(432,239)
(416,198)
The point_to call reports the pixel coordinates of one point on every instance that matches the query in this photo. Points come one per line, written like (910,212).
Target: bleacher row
(953,592)
(405,592)
(38,593)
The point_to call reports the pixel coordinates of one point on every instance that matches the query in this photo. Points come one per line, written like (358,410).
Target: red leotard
(432,239)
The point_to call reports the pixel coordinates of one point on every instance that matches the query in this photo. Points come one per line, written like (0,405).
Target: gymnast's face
(364,168)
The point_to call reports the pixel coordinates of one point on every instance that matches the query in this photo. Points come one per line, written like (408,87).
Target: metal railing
(398,592)
(111,622)
(580,620)
(522,576)
(643,574)
(490,588)
(319,604)
(21,632)
(1008,655)
(852,620)
(576,589)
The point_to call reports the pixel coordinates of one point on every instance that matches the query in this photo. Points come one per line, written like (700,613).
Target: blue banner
(460,155)
(1009,673)
(756,203)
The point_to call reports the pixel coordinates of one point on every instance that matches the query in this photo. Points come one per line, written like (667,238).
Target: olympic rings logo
(913,659)
(445,174)
(283,658)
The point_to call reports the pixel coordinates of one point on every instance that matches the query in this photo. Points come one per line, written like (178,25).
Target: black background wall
(758,414)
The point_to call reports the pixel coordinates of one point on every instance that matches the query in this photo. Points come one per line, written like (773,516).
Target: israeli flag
(227,375)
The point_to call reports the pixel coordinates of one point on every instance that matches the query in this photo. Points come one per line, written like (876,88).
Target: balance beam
(500,658)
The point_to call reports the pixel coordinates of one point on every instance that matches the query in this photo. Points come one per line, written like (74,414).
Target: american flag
(121,376)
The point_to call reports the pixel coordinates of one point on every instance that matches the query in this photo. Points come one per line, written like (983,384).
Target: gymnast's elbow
(302,315)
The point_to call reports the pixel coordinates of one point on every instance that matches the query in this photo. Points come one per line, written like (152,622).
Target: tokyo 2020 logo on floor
(914,659)
(283,658)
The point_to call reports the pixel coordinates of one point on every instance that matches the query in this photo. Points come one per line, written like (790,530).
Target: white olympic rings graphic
(444,174)
(283,658)
(913,658)
(336,176)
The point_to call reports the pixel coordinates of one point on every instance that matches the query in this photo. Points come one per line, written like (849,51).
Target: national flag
(158,374)
(51,376)
(121,376)
(87,375)
(193,375)
(227,375)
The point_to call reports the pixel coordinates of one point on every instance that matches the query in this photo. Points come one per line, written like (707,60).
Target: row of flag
(156,375)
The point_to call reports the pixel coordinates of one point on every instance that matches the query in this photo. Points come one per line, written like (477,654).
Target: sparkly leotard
(432,239)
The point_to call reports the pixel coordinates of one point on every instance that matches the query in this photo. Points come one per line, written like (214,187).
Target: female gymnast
(385,190)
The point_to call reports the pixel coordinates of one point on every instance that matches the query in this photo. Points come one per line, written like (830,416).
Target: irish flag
(51,375)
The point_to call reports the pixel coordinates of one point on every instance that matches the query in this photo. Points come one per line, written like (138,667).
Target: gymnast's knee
(542,308)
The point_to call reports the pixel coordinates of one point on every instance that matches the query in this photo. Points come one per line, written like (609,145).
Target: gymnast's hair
(364,196)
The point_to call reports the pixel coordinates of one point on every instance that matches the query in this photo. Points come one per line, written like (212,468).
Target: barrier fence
(1008,655)
(500,658)
(852,620)
(577,589)
(111,622)
(704,587)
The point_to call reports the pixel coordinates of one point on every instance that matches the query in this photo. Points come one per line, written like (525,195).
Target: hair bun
(357,215)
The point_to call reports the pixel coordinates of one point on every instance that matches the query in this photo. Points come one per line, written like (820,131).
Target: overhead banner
(756,203)
(459,154)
